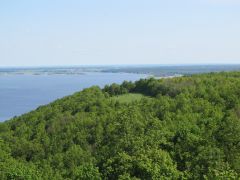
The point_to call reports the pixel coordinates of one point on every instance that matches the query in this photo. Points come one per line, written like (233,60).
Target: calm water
(22,93)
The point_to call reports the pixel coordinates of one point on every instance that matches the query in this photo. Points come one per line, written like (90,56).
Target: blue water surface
(22,93)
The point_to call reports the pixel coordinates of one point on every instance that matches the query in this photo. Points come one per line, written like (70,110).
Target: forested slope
(180,128)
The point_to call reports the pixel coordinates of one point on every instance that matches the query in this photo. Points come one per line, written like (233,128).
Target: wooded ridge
(179,128)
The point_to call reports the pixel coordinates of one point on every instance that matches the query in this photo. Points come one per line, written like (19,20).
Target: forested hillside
(179,128)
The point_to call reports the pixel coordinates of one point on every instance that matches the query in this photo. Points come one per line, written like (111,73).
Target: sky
(77,32)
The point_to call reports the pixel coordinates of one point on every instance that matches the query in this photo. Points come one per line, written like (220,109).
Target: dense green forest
(178,128)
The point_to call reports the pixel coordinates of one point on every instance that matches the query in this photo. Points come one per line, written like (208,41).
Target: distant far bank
(158,70)
(175,70)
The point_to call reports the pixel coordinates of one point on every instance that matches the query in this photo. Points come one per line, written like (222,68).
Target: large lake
(24,89)
(21,93)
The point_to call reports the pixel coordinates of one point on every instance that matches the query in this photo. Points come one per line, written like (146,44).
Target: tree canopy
(176,128)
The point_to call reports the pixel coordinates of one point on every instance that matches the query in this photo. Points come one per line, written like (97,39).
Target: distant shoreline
(158,71)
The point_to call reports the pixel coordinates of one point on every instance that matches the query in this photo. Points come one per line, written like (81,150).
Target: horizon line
(104,65)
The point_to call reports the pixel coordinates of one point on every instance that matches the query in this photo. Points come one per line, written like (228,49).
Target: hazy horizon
(99,65)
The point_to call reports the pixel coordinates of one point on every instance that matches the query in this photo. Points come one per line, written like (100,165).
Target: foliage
(128,98)
(176,128)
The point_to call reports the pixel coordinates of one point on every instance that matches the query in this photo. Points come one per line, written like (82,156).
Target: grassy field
(127,98)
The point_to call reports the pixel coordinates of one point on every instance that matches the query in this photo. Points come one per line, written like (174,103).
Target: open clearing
(127,98)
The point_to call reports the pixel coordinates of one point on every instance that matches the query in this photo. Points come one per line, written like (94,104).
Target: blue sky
(77,32)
